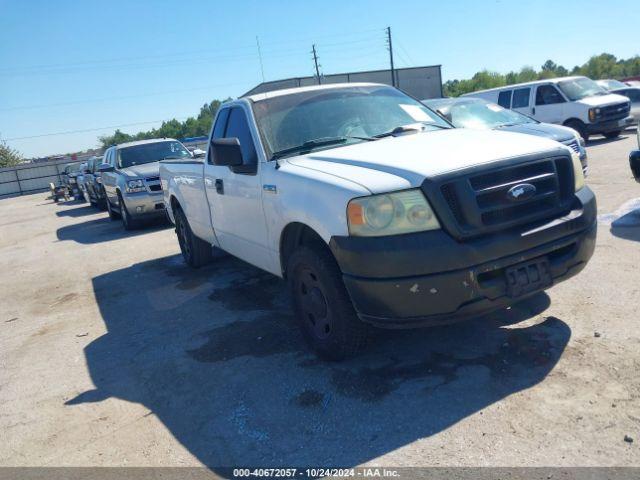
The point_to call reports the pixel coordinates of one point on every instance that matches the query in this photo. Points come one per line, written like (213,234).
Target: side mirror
(197,153)
(226,152)
(105,167)
(634,163)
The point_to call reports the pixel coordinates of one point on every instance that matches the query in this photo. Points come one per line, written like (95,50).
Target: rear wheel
(322,305)
(195,251)
(579,127)
(614,134)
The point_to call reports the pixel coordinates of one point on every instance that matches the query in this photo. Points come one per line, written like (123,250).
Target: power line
(70,132)
(108,99)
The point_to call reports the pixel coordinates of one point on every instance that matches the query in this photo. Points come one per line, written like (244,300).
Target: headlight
(390,214)
(578,174)
(135,185)
(594,113)
(98,180)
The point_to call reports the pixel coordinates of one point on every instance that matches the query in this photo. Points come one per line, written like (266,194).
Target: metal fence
(31,177)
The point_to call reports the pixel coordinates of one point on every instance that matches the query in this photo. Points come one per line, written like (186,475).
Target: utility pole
(260,57)
(315,61)
(393,72)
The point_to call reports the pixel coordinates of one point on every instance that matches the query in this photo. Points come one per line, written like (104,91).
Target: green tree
(191,127)
(8,156)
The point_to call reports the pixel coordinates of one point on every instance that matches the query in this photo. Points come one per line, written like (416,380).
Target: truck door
(549,104)
(235,194)
(521,101)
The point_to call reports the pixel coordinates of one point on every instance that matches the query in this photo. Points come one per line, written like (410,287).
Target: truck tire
(322,305)
(611,135)
(127,222)
(579,127)
(195,251)
(113,215)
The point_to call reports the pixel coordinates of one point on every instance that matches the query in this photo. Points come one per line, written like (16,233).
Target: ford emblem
(520,192)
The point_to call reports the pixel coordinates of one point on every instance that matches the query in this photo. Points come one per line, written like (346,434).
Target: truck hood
(405,161)
(547,130)
(145,170)
(603,100)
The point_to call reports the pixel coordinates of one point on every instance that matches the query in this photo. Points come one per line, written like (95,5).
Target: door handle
(219,186)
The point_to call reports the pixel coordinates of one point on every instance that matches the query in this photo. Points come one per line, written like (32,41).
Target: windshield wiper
(409,128)
(315,143)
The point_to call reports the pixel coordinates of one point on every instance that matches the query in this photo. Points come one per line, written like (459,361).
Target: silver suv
(131,178)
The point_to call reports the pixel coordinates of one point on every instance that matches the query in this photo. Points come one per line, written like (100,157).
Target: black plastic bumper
(429,278)
(609,126)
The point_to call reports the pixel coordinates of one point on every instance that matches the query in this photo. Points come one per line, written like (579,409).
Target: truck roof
(526,84)
(143,142)
(289,91)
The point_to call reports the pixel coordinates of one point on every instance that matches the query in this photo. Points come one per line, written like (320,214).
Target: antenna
(390,46)
(315,61)
(260,57)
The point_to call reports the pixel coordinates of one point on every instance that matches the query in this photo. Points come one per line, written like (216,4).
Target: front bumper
(145,204)
(429,278)
(609,126)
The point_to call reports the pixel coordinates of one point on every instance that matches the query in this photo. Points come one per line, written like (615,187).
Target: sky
(78,66)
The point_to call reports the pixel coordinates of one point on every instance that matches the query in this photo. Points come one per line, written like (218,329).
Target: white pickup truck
(378,212)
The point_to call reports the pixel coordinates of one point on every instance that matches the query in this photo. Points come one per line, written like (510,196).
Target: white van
(576,102)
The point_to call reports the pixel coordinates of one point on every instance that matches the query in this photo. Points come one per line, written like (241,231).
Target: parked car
(69,178)
(610,85)
(377,211)
(80,183)
(633,94)
(575,102)
(634,159)
(130,177)
(477,113)
(93,183)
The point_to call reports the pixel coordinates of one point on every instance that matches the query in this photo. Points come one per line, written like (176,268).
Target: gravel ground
(113,353)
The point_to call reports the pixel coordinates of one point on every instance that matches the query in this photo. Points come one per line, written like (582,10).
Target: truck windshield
(150,152)
(352,114)
(480,114)
(579,88)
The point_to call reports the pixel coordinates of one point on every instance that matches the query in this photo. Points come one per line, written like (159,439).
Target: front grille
(153,184)
(615,112)
(573,145)
(480,202)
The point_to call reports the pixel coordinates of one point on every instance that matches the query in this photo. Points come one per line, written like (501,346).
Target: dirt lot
(112,352)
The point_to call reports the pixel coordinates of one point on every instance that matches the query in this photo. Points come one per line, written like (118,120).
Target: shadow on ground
(104,230)
(82,210)
(214,353)
(625,221)
(601,140)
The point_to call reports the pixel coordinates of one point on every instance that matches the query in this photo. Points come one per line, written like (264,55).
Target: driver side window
(548,95)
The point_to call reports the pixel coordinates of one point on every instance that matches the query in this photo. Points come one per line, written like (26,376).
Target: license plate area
(528,277)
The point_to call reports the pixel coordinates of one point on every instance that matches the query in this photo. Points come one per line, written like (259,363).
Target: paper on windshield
(495,108)
(416,113)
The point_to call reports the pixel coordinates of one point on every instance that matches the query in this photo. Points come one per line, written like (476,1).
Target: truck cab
(378,212)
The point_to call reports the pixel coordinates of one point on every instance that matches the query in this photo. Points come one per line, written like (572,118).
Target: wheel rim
(315,310)
(182,238)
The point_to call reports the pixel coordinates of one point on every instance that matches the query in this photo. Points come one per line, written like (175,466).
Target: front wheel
(127,222)
(113,215)
(614,134)
(322,305)
(195,251)
(579,127)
